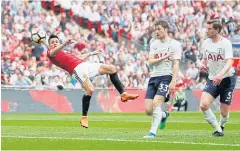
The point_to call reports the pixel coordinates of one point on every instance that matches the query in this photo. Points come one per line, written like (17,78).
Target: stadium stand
(121,29)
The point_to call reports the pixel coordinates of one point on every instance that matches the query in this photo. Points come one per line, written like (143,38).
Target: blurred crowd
(127,29)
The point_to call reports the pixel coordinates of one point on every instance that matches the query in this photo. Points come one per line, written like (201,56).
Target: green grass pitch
(106,131)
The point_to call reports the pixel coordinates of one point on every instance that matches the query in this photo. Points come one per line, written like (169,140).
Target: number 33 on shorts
(163,87)
(163,90)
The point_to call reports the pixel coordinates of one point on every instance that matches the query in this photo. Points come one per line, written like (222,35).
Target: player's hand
(68,42)
(169,55)
(172,87)
(203,68)
(217,80)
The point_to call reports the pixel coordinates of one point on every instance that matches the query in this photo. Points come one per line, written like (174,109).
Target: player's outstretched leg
(206,101)
(164,120)
(112,71)
(88,87)
(85,107)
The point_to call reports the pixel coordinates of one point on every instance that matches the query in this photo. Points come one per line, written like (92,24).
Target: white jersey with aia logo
(159,49)
(216,53)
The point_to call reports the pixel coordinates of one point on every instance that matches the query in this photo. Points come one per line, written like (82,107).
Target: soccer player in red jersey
(83,71)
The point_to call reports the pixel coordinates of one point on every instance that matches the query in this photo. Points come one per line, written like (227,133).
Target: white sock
(223,120)
(211,119)
(164,115)
(157,116)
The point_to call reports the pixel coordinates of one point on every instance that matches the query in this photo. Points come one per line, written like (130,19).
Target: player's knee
(224,113)
(112,69)
(204,107)
(148,111)
(90,91)
(156,103)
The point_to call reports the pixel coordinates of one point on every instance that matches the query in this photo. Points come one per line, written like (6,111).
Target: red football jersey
(65,60)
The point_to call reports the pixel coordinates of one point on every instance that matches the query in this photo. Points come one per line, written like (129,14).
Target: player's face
(53,43)
(160,32)
(211,32)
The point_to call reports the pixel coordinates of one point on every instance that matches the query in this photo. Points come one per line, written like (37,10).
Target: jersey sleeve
(177,51)
(228,50)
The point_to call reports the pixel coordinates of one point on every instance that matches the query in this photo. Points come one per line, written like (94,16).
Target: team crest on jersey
(220,50)
(169,48)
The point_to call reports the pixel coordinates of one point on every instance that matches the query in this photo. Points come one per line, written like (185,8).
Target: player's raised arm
(55,47)
(154,56)
(153,60)
(87,55)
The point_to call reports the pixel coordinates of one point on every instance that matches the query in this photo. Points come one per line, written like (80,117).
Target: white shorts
(86,70)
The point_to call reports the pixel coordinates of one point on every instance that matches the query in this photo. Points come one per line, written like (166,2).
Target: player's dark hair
(163,23)
(216,25)
(52,36)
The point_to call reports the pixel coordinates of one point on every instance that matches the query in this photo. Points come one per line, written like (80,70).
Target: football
(38,35)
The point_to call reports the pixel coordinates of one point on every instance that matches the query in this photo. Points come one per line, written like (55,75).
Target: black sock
(116,82)
(186,105)
(85,104)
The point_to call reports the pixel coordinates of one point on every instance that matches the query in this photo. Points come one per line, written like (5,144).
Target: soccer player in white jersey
(164,56)
(217,61)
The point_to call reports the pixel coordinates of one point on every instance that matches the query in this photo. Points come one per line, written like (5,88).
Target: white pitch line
(143,121)
(123,140)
